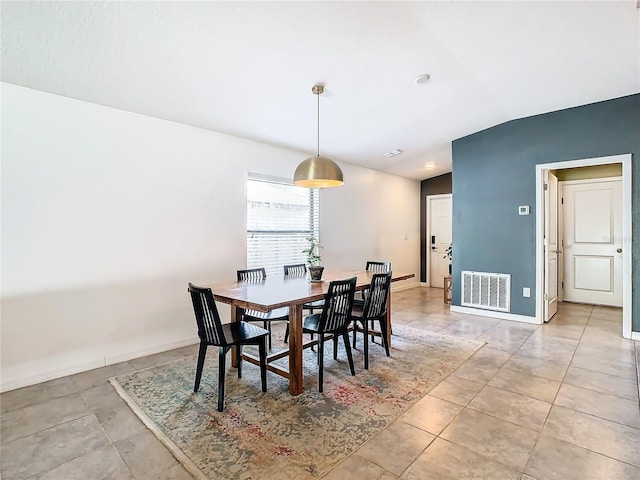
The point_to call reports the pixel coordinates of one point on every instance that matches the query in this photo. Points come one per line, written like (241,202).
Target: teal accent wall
(494,173)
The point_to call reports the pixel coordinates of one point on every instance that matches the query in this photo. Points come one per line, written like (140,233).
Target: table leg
(295,350)
(388,318)
(236,315)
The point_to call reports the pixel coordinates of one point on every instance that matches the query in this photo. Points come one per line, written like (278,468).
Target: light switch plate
(523,210)
(526,292)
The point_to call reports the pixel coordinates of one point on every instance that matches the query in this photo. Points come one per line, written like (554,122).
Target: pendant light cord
(318,150)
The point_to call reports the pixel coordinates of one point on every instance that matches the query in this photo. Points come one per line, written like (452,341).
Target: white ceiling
(247,68)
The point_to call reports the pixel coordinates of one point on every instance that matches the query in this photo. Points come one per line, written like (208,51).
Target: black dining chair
(278,315)
(373,267)
(373,310)
(334,320)
(213,332)
(300,270)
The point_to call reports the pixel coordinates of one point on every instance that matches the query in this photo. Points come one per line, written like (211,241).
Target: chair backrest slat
(297,270)
(375,304)
(251,274)
(336,313)
(207,316)
(378,267)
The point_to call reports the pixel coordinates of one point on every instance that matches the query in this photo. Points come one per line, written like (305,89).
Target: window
(280,218)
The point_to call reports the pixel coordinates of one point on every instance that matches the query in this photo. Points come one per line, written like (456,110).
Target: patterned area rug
(274,435)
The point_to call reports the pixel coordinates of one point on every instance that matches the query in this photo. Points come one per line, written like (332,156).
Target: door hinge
(561,200)
(546,297)
(562,285)
(546,186)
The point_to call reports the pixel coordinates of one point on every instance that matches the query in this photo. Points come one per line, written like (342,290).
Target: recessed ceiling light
(430,165)
(393,153)
(424,78)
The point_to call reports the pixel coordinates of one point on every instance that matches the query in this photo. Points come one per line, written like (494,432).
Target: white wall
(106,215)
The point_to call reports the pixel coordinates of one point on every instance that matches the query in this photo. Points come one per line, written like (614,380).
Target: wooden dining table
(293,292)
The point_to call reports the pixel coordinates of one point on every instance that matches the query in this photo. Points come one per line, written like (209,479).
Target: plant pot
(316,273)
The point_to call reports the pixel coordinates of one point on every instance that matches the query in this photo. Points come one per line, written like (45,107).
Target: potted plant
(448,253)
(313,259)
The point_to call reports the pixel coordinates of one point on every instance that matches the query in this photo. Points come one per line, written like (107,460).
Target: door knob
(619,250)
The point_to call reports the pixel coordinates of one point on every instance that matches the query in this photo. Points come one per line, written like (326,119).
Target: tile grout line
(111,442)
(465,407)
(544,423)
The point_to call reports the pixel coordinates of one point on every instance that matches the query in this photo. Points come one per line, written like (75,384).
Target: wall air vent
(490,291)
(393,153)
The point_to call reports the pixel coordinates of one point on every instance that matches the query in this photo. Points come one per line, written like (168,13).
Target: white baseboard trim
(635,336)
(404,286)
(490,313)
(19,382)
(150,351)
(47,373)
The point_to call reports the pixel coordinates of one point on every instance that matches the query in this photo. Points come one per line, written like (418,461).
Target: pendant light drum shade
(318,172)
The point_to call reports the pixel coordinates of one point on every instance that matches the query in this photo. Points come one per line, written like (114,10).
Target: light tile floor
(557,401)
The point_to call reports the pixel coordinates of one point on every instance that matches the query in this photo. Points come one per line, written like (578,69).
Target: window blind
(280,218)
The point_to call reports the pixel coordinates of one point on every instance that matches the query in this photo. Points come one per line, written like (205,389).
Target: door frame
(428,239)
(627,264)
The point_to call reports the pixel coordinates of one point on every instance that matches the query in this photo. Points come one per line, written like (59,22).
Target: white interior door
(550,245)
(440,238)
(593,242)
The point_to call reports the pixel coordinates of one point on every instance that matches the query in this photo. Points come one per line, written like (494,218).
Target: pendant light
(318,172)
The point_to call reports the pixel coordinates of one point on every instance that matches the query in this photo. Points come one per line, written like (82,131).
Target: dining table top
(278,291)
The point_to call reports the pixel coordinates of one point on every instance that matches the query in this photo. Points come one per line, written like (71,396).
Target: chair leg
(347,347)
(335,346)
(320,361)
(318,352)
(366,345)
(239,359)
(373,338)
(383,331)
(263,363)
(267,326)
(355,332)
(201,354)
(222,354)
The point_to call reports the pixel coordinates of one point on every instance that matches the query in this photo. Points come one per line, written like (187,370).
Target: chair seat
(313,305)
(359,298)
(277,314)
(310,323)
(242,332)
